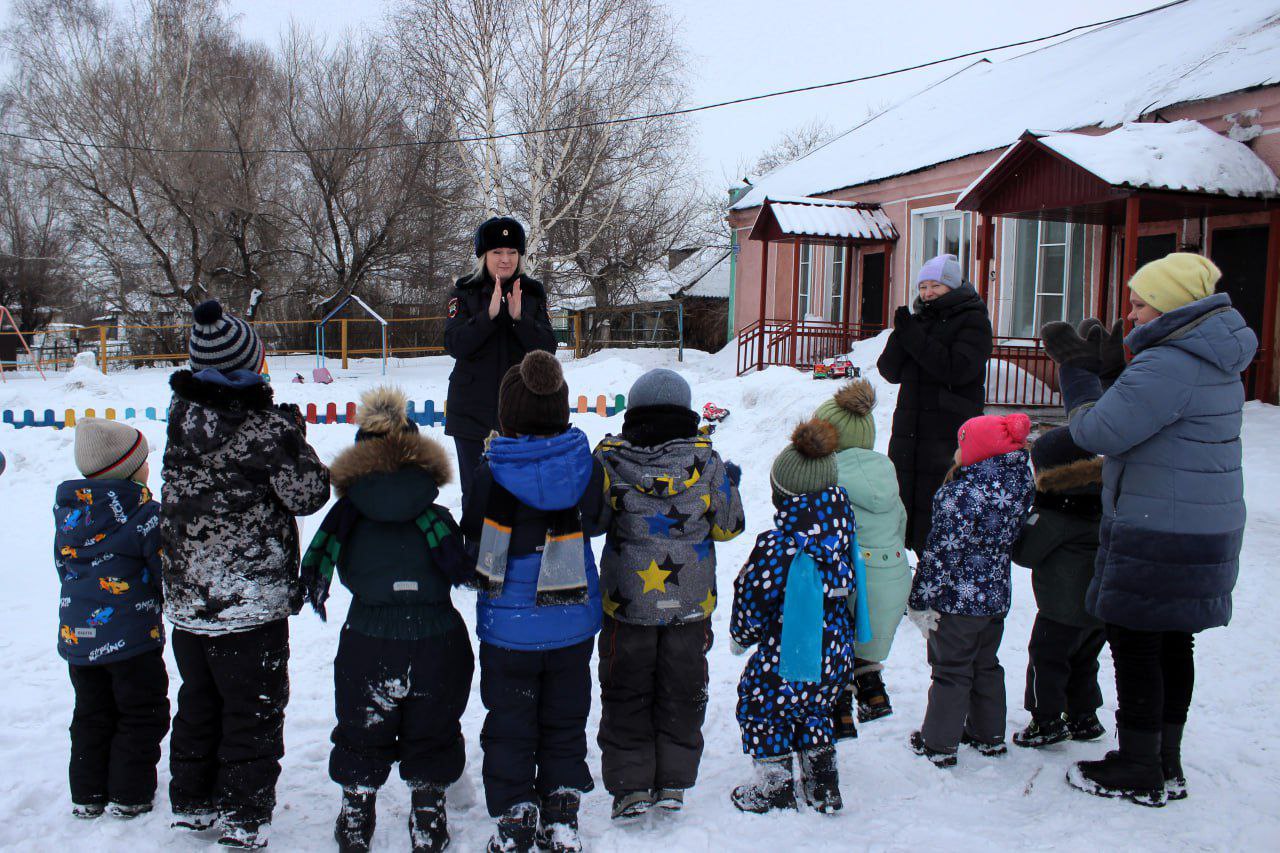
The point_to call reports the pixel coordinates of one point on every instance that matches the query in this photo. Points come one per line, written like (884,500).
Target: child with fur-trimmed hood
(871,482)
(402,676)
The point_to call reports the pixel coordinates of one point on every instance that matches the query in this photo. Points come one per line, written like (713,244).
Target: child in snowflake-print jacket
(962,588)
(788,690)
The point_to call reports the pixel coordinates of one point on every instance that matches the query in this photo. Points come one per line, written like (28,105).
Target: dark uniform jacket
(485,349)
(939,357)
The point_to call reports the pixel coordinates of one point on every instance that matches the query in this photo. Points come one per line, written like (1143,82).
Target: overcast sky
(747,47)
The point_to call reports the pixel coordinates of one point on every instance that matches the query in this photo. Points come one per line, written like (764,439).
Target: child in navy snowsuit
(107,553)
(402,676)
(962,587)
(534,502)
(803,571)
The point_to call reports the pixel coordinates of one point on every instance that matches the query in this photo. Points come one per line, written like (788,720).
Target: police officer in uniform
(495,315)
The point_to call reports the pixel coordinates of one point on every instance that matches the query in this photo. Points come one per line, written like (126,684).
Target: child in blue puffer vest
(792,602)
(107,553)
(535,501)
(962,587)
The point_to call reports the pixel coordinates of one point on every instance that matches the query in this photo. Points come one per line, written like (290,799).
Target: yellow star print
(654,578)
(709,603)
(610,606)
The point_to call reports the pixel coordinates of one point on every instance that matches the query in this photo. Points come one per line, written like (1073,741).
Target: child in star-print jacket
(792,602)
(961,590)
(668,498)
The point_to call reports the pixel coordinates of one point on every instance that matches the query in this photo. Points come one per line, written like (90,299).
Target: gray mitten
(1065,346)
(1111,353)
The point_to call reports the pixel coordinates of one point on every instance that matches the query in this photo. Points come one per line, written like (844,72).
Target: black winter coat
(237,469)
(1059,540)
(939,357)
(486,349)
(398,591)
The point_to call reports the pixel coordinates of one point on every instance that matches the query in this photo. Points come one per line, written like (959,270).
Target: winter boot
(1133,772)
(428,822)
(937,756)
(842,722)
(517,829)
(87,811)
(558,828)
(772,788)
(194,818)
(987,748)
(244,834)
(356,819)
(128,811)
(873,700)
(820,779)
(1175,783)
(1042,732)
(1085,728)
(669,799)
(631,804)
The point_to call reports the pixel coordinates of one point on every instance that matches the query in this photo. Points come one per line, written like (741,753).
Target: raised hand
(513,301)
(495,301)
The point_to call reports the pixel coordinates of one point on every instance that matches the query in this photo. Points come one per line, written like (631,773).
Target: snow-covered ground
(894,800)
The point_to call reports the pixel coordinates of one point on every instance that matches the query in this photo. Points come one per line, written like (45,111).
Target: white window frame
(837,258)
(805,283)
(1011,236)
(920,253)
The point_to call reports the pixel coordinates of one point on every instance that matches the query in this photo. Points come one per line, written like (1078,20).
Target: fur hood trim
(1076,475)
(382,410)
(388,454)
(185,385)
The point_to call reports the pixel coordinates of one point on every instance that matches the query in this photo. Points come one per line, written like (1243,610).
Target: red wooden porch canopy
(1140,172)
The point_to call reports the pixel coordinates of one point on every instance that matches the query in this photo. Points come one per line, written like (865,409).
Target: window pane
(1078,275)
(1024,279)
(1055,232)
(951,240)
(1053,268)
(930,237)
(1050,309)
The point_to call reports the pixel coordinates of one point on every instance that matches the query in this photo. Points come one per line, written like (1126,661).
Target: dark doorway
(871,307)
(1156,246)
(1241,254)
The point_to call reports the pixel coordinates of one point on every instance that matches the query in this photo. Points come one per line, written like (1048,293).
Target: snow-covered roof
(810,217)
(1180,155)
(1104,77)
(704,273)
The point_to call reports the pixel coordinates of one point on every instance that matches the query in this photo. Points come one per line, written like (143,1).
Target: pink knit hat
(992,435)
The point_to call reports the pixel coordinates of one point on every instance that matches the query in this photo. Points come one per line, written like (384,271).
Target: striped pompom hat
(108,450)
(222,342)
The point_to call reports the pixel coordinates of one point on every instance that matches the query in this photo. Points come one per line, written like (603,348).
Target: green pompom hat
(849,411)
(808,463)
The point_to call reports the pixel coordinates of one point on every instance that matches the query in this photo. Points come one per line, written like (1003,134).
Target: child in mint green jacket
(871,482)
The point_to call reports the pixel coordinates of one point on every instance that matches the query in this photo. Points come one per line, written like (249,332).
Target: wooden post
(795,294)
(1265,390)
(1104,279)
(577,334)
(986,236)
(1132,210)
(884,303)
(102,348)
(343,323)
(849,337)
(764,292)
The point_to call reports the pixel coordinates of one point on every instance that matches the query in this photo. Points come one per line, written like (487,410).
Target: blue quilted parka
(1172,488)
(778,716)
(976,519)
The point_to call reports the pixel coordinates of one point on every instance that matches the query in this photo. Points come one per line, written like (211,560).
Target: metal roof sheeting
(819,218)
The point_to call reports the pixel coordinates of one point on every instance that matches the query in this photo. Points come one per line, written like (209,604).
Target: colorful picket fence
(424,415)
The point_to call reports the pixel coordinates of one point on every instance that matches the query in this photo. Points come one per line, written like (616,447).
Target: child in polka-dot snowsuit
(780,717)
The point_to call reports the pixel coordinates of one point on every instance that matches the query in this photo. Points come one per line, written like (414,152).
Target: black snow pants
(535,734)
(228,734)
(120,718)
(1155,676)
(967,689)
(400,700)
(653,700)
(1062,669)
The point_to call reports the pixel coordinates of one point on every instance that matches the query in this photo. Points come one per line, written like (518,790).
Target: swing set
(5,316)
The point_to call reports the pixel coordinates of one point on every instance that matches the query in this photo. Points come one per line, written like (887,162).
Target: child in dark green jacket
(402,676)
(1059,542)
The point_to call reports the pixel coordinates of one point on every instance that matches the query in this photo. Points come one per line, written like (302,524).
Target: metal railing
(799,344)
(1020,373)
